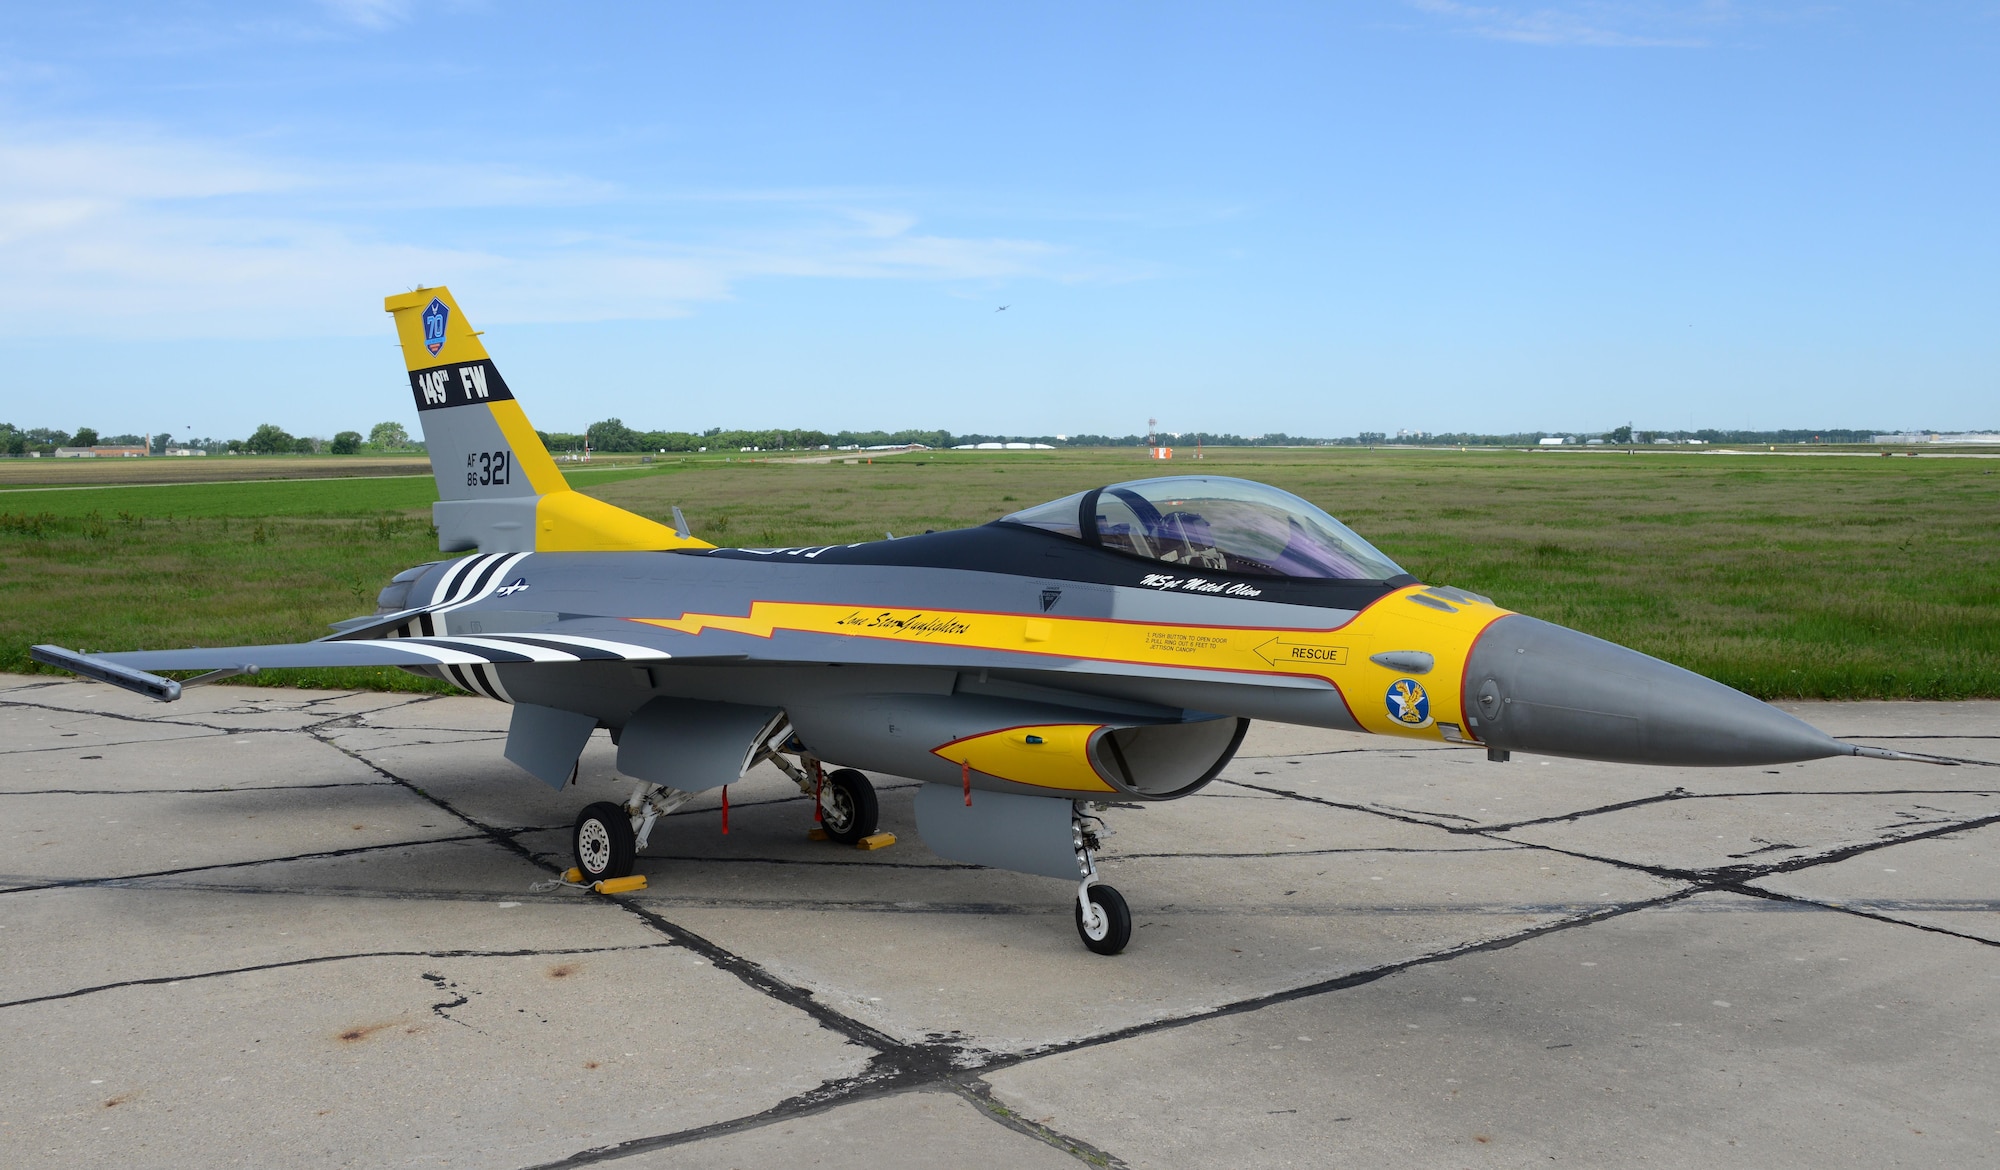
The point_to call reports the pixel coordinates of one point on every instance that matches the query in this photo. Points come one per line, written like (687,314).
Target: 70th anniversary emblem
(435,315)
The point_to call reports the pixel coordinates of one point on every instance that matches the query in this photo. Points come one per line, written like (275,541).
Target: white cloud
(133,236)
(122,168)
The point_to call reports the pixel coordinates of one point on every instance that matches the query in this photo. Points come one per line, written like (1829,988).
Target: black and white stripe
(469,579)
(480,680)
(472,661)
(464,575)
(489,649)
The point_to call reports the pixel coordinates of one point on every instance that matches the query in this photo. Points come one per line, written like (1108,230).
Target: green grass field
(1786,576)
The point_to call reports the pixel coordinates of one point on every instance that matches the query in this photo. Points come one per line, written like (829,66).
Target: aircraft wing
(133,669)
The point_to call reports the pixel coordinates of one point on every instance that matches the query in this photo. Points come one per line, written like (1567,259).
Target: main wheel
(848,810)
(604,842)
(1109,926)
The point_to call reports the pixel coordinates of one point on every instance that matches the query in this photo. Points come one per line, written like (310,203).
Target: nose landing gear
(1103,920)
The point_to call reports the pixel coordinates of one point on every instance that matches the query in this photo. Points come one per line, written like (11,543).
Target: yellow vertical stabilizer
(498,490)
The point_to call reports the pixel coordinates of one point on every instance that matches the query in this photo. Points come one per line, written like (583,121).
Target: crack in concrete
(315,960)
(1349,980)
(1372,810)
(1850,908)
(945,1062)
(1725,874)
(980,1094)
(82,747)
(501,837)
(190,791)
(115,879)
(902,1068)
(1273,853)
(196,722)
(1915,737)
(1061,910)
(1295,757)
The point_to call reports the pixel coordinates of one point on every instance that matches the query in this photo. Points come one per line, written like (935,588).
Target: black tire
(603,841)
(1113,928)
(849,810)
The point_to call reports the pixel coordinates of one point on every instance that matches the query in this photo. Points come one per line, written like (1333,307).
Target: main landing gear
(605,843)
(608,837)
(1103,920)
(848,810)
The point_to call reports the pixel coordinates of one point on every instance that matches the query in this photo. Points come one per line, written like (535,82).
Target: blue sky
(1314,219)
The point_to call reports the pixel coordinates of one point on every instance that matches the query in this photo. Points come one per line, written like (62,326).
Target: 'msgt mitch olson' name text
(1200,585)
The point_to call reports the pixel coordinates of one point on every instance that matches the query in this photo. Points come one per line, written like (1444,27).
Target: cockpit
(1214,523)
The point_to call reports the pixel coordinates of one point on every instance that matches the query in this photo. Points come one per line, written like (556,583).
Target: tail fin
(498,490)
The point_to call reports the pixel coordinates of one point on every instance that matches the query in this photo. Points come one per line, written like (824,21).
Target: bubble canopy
(1215,523)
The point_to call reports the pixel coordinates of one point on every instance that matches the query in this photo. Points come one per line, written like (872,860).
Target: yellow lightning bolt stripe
(1339,654)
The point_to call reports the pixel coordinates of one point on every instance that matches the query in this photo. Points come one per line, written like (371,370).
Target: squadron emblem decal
(1408,704)
(435,315)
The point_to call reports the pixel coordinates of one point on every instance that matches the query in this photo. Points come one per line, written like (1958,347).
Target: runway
(263,926)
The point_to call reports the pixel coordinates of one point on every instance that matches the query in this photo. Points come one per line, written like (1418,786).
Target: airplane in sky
(1108,647)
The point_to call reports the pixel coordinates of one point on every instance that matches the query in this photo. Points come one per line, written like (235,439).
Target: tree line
(267,439)
(612,435)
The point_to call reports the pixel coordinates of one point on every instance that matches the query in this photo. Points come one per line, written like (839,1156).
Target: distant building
(1936,437)
(100,452)
(185,451)
(1593,442)
(1554,441)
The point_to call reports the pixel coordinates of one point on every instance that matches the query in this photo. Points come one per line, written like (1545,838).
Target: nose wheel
(1102,919)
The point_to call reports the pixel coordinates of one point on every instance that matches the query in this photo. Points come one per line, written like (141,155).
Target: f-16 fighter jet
(1107,647)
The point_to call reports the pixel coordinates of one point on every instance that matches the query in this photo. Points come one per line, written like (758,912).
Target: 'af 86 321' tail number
(489,469)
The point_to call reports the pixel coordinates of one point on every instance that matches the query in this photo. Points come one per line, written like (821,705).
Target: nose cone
(1536,687)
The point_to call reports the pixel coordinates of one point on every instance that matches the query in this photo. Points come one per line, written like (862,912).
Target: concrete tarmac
(272,927)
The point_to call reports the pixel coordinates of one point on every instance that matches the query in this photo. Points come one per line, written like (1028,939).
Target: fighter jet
(1105,648)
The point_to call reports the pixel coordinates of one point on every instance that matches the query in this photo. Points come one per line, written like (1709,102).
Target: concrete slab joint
(297,925)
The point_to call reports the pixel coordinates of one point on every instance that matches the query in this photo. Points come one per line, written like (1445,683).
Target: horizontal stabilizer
(373,625)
